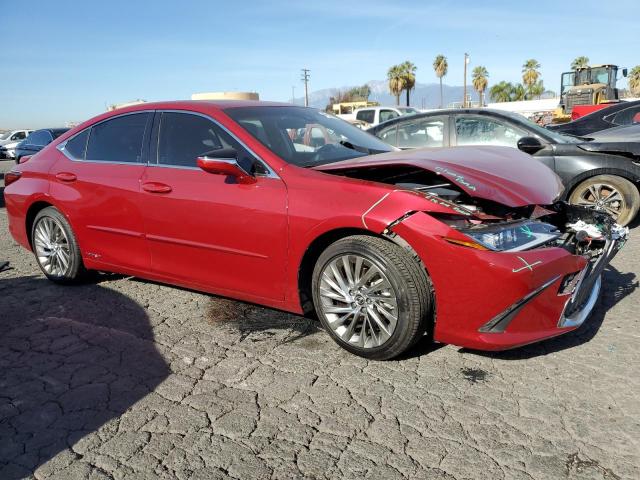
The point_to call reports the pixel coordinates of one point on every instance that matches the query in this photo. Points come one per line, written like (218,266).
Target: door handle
(156,187)
(66,177)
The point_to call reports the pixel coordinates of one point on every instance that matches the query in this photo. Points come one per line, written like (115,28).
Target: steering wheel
(327,152)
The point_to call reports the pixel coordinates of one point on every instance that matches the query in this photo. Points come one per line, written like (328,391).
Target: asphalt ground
(125,378)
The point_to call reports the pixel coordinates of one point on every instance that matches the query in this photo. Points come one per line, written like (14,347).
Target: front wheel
(55,247)
(371,296)
(610,193)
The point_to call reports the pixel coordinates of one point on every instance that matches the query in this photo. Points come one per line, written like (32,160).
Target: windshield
(5,135)
(304,136)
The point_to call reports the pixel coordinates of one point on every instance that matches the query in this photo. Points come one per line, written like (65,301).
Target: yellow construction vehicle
(591,85)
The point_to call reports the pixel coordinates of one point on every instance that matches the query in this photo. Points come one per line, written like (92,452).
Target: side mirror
(530,145)
(624,72)
(223,161)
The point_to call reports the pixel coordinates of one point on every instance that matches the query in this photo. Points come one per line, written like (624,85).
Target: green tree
(634,80)
(408,77)
(530,73)
(536,90)
(501,92)
(480,81)
(518,92)
(580,62)
(440,66)
(396,84)
(359,93)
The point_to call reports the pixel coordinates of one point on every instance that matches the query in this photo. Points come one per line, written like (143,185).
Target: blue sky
(65,61)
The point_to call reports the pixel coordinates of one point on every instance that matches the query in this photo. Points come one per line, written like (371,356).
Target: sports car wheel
(55,247)
(610,193)
(371,296)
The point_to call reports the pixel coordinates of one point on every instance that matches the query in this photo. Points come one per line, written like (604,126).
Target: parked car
(624,134)
(8,150)
(615,115)
(370,116)
(595,174)
(13,136)
(36,141)
(9,140)
(222,197)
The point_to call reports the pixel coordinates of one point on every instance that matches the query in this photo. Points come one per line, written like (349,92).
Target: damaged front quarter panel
(397,204)
(494,300)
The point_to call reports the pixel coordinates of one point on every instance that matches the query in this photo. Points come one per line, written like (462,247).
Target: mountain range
(424,95)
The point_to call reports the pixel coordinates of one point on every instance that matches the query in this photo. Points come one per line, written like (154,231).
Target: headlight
(513,237)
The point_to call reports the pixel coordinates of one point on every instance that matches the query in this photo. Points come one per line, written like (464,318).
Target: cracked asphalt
(124,378)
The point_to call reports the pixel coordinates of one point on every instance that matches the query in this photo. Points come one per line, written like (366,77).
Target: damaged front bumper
(493,300)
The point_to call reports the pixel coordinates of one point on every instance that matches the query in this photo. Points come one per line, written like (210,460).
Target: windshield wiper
(357,148)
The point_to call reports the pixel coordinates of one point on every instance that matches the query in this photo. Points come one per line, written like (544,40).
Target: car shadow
(252,321)
(71,359)
(616,286)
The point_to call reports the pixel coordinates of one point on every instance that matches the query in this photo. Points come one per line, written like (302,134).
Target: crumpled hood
(502,174)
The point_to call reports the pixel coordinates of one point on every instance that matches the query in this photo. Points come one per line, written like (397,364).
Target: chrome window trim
(271,174)
(61,146)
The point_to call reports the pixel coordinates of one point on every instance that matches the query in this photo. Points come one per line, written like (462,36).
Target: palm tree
(440,66)
(530,73)
(518,92)
(396,84)
(501,92)
(634,80)
(480,82)
(537,89)
(580,62)
(408,77)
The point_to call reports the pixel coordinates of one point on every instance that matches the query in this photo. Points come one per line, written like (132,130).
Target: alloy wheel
(51,246)
(602,197)
(358,301)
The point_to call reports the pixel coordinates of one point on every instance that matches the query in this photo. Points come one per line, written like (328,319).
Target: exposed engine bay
(493,226)
(580,230)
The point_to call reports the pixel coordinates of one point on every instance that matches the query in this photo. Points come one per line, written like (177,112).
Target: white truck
(371,116)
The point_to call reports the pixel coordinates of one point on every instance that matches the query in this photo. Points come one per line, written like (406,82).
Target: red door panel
(207,229)
(101,200)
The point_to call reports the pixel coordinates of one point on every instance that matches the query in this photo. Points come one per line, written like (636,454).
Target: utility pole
(464,98)
(305,79)
(293,94)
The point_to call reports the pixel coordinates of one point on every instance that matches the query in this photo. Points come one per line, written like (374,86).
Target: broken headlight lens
(513,237)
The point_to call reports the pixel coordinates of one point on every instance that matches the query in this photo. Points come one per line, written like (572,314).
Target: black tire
(630,197)
(75,271)
(410,285)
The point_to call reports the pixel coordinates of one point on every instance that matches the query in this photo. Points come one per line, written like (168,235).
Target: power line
(305,79)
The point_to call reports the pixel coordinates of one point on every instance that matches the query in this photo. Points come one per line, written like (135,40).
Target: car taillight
(11,177)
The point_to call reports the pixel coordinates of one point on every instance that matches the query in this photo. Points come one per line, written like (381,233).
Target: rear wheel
(610,193)
(371,296)
(55,247)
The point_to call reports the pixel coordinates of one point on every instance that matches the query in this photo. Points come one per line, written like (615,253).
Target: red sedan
(295,209)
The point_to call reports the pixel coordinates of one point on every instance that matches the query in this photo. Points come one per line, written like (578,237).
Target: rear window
(366,116)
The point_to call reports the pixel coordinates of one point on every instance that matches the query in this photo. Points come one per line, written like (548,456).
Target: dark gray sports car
(600,174)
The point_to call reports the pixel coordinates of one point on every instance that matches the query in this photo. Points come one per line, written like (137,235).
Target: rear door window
(119,139)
